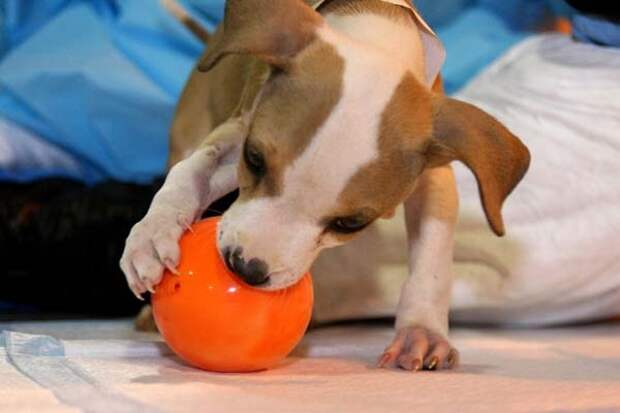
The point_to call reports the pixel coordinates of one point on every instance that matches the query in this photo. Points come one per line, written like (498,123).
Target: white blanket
(560,259)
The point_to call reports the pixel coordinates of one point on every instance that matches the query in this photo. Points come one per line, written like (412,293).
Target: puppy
(324,115)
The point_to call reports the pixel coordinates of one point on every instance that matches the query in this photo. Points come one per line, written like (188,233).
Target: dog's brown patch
(405,130)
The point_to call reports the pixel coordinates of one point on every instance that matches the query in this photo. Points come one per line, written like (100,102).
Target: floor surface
(106,366)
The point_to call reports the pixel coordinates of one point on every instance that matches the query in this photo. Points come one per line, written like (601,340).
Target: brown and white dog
(324,115)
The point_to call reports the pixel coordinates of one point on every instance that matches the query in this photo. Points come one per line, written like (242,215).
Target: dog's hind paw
(415,348)
(145,320)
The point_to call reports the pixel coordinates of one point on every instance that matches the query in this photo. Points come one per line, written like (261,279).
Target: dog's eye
(254,160)
(348,225)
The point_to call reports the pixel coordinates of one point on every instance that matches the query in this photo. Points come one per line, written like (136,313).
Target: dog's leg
(190,187)
(422,316)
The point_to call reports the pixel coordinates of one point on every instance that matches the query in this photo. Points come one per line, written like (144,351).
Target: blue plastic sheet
(469,51)
(97,78)
(100,78)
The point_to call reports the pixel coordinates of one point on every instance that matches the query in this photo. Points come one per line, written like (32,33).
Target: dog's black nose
(253,272)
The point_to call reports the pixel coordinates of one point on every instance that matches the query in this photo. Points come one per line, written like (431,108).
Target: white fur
(431,213)
(425,297)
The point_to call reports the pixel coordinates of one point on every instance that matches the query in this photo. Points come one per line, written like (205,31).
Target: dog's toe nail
(416,365)
(433,363)
(171,267)
(384,359)
(452,358)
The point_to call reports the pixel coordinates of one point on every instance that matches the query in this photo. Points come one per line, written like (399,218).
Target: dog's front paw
(416,348)
(152,246)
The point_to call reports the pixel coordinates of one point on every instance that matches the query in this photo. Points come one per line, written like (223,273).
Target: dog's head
(338,136)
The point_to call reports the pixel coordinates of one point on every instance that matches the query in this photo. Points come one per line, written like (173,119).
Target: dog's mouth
(279,280)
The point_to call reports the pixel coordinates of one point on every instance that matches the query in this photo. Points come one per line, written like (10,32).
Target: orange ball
(214,321)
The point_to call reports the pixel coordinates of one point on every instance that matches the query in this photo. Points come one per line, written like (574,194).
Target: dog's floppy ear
(496,157)
(272,30)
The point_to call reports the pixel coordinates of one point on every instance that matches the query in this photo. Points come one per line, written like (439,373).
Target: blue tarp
(100,78)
